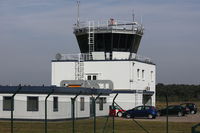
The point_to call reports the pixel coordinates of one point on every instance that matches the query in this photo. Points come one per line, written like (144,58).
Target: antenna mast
(133,15)
(78,13)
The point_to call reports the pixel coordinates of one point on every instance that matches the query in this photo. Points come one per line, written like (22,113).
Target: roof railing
(110,24)
(86,57)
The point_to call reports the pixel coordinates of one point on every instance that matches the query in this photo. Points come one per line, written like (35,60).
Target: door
(91,107)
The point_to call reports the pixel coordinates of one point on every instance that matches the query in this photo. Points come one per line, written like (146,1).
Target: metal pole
(94,108)
(113,117)
(167,128)
(73,109)
(46,108)
(12,106)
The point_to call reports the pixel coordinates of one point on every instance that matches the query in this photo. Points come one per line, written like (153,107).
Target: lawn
(86,126)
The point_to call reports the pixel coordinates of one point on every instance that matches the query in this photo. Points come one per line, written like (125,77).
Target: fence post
(113,117)
(12,106)
(46,108)
(73,109)
(167,126)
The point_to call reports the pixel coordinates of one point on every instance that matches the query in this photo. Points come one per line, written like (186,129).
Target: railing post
(94,109)
(73,109)
(12,106)
(113,117)
(46,108)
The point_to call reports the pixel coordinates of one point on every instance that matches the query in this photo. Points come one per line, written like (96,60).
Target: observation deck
(108,36)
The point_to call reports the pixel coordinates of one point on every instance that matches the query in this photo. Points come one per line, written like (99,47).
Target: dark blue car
(141,111)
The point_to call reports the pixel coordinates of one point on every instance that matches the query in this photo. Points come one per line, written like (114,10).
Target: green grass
(86,126)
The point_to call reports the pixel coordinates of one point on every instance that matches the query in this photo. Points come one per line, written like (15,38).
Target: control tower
(108,59)
(107,37)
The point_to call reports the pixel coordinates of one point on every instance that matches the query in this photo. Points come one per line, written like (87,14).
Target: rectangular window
(138,73)
(55,104)
(94,77)
(89,77)
(152,76)
(32,103)
(143,74)
(82,104)
(7,103)
(101,103)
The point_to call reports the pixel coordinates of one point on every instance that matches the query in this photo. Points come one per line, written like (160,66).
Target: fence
(47,117)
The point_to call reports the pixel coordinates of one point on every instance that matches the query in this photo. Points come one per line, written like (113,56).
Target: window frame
(82,104)
(30,109)
(9,106)
(55,104)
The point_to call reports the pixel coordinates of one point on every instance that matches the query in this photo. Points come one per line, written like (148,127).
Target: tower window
(94,77)
(138,73)
(89,77)
(143,76)
(152,76)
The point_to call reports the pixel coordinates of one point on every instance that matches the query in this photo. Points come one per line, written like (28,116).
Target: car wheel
(150,116)
(128,116)
(180,114)
(119,114)
(192,112)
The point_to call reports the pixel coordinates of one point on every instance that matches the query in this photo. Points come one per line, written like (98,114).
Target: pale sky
(33,31)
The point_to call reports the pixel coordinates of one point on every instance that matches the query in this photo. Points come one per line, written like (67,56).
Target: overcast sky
(33,31)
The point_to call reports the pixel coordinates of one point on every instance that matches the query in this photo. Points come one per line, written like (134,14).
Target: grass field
(86,126)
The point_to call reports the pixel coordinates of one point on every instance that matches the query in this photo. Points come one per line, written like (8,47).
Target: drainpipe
(46,108)
(12,105)
(113,117)
(94,109)
(73,109)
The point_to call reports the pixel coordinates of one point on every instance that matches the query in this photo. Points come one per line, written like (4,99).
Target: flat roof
(56,90)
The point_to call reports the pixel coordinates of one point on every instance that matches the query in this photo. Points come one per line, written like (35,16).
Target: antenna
(133,15)
(78,19)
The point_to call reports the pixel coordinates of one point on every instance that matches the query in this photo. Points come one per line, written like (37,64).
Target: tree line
(177,92)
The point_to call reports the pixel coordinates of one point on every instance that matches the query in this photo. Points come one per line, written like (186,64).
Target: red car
(116,111)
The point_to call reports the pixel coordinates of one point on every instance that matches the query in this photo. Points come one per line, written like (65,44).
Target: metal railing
(86,57)
(110,24)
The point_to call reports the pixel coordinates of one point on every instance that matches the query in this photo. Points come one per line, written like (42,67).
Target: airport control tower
(108,60)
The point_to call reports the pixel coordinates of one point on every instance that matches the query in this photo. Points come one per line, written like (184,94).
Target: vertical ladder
(79,68)
(91,38)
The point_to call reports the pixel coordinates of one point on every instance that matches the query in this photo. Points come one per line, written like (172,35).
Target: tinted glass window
(7,103)
(55,103)
(32,103)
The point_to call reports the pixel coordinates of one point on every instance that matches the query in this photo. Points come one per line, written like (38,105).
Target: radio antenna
(78,13)
(133,15)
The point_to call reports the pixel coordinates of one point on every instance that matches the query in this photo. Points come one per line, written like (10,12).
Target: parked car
(173,110)
(116,111)
(191,106)
(141,111)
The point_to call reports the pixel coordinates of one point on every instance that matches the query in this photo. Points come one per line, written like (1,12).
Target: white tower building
(108,60)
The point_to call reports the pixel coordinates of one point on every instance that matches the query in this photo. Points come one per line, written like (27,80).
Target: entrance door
(91,107)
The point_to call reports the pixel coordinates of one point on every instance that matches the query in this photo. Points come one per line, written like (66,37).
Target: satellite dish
(58,56)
